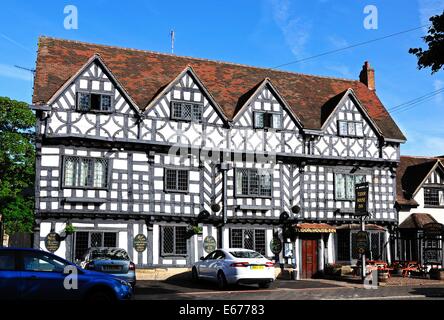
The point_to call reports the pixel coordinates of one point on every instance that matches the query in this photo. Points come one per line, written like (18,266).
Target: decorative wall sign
(52,242)
(209,244)
(140,243)
(361,199)
(362,241)
(276,245)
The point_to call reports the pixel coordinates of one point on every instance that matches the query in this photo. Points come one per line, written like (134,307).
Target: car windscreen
(108,254)
(246,254)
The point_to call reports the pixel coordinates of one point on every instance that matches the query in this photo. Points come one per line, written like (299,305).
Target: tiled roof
(417,221)
(410,174)
(143,74)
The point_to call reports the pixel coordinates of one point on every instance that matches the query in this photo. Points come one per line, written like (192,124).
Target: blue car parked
(34,274)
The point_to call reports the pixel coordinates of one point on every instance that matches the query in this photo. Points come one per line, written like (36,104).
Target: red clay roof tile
(144,73)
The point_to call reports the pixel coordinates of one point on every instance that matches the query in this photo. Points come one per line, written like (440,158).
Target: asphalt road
(184,289)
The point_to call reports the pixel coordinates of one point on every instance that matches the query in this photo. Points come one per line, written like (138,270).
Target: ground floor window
(173,240)
(253,239)
(91,239)
(347,249)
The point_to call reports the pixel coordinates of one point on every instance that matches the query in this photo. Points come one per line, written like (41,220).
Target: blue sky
(263,33)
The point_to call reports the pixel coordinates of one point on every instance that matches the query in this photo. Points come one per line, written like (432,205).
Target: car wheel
(221,281)
(100,295)
(265,285)
(194,275)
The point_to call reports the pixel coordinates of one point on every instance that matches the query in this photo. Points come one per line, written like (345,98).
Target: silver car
(114,261)
(235,266)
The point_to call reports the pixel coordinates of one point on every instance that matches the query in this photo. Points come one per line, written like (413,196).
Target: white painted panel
(155,244)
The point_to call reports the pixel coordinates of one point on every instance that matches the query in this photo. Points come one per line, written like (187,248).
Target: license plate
(257,267)
(112,268)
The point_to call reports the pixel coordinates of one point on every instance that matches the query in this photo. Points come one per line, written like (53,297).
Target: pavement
(319,289)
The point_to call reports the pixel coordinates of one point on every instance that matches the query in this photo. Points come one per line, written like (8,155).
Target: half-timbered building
(420,206)
(178,149)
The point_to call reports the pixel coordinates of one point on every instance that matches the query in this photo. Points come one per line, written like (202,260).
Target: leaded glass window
(85,172)
(176,180)
(94,101)
(345,185)
(174,240)
(350,128)
(186,111)
(253,182)
(253,239)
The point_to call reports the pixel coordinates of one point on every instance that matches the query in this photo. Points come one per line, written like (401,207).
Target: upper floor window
(186,111)
(85,172)
(350,128)
(176,180)
(267,120)
(345,185)
(433,197)
(94,102)
(253,182)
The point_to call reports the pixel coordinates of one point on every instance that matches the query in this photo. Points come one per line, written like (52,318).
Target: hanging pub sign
(361,199)
(433,229)
(139,242)
(276,245)
(52,242)
(362,241)
(209,244)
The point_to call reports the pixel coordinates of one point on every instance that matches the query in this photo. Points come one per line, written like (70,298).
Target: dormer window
(186,111)
(267,120)
(94,102)
(350,128)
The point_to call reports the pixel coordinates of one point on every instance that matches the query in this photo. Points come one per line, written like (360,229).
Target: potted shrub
(69,229)
(193,229)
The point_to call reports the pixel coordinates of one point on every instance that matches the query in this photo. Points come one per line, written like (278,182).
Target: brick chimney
(367,76)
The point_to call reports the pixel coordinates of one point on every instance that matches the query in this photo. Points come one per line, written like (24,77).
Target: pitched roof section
(417,221)
(143,74)
(410,174)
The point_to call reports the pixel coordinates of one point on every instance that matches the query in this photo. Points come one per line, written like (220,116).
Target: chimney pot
(367,76)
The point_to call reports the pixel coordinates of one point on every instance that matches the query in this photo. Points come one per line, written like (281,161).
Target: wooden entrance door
(309,258)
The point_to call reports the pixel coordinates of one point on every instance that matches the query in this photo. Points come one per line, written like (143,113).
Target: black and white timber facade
(114,170)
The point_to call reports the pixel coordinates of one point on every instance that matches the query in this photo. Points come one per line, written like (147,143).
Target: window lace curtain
(99,170)
(69,172)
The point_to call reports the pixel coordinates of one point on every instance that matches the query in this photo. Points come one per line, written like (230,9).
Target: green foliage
(17,156)
(70,229)
(18,214)
(433,57)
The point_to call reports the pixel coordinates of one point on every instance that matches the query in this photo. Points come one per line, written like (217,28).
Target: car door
(42,277)
(9,275)
(204,265)
(216,264)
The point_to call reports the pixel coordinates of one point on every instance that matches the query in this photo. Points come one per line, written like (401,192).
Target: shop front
(421,239)
(347,252)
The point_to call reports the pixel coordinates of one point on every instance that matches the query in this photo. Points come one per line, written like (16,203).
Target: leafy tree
(433,57)
(17,155)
